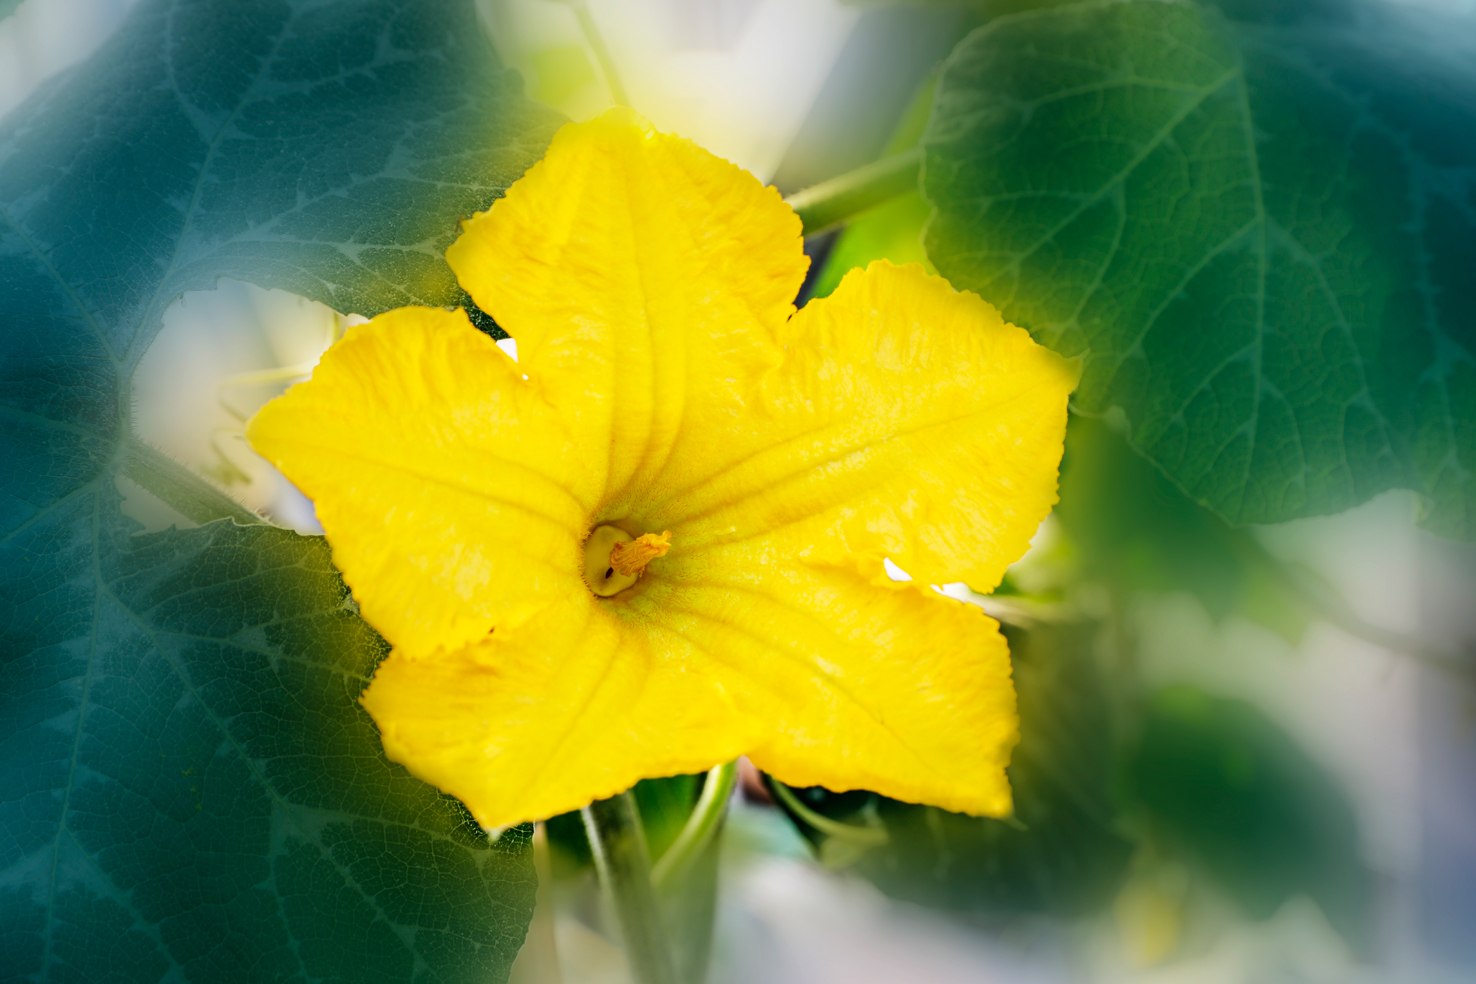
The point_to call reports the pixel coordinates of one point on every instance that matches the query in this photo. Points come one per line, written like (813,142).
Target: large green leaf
(1137,530)
(1258,232)
(191,791)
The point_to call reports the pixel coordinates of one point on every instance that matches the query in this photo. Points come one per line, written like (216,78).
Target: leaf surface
(1257,232)
(191,789)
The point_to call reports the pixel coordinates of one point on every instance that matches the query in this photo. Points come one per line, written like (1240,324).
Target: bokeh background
(1248,761)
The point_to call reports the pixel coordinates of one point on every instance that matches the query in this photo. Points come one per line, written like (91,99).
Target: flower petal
(451,493)
(907,421)
(857,681)
(570,706)
(644,280)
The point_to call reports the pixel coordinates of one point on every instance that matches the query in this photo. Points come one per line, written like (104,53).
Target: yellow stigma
(613,560)
(631,558)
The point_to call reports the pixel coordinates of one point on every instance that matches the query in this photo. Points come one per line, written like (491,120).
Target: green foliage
(1234,791)
(1061,854)
(8,7)
(1257,232)
(1136,530)
(191,790)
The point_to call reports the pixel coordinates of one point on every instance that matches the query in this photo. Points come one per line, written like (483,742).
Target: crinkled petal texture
(670,386)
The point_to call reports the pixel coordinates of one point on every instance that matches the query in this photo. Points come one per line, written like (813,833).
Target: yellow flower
(666,386)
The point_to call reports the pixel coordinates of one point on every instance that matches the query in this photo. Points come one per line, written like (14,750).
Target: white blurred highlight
(735,76)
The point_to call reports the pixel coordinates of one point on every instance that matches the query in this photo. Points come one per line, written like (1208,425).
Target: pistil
(614,560)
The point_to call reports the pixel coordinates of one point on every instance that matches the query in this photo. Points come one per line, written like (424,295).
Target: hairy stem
(830,203)
(180,488)
(706,818)
(619,844)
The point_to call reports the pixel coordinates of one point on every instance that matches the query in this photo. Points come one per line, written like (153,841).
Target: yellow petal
(853,681)
(907,421)
(451,493)
(648,285)
(644,280)
(570,706)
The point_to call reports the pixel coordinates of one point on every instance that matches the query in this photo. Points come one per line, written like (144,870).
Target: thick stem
(620,852)
(706,818)
(830,203)
(602,54)
(181,488)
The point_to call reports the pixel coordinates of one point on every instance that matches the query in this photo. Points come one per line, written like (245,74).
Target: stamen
(631,558)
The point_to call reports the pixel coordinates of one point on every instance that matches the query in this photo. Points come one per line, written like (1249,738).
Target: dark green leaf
(1139,531)
(191,790)
(1063,856)
(1257,232)
(1237,793)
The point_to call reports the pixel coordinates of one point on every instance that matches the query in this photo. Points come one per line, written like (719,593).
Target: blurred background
(1249,755)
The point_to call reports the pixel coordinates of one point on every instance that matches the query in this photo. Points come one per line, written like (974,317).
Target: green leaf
(1258,234)
(1138,530)
(8,7)
(1234,791)
(1061,854)
(192,791)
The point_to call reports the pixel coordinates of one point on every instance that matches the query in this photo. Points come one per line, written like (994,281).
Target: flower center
(614,560)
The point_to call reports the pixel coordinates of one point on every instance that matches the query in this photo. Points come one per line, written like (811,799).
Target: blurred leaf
(1137,529)
(8,7)
(1257,232)
(192,791)
(1061,854)
(1239,795)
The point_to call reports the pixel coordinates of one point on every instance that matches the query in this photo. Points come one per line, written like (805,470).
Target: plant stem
(619,844)
(842,198)
(706,817)
(602,54)
(861,836)
(1331,606)
(180,488)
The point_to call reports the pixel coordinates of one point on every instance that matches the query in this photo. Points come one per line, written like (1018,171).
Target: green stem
(1327,603)
(706,817)
(624,863)
(860,836)
(830,203)
(602,54)
(180,488)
